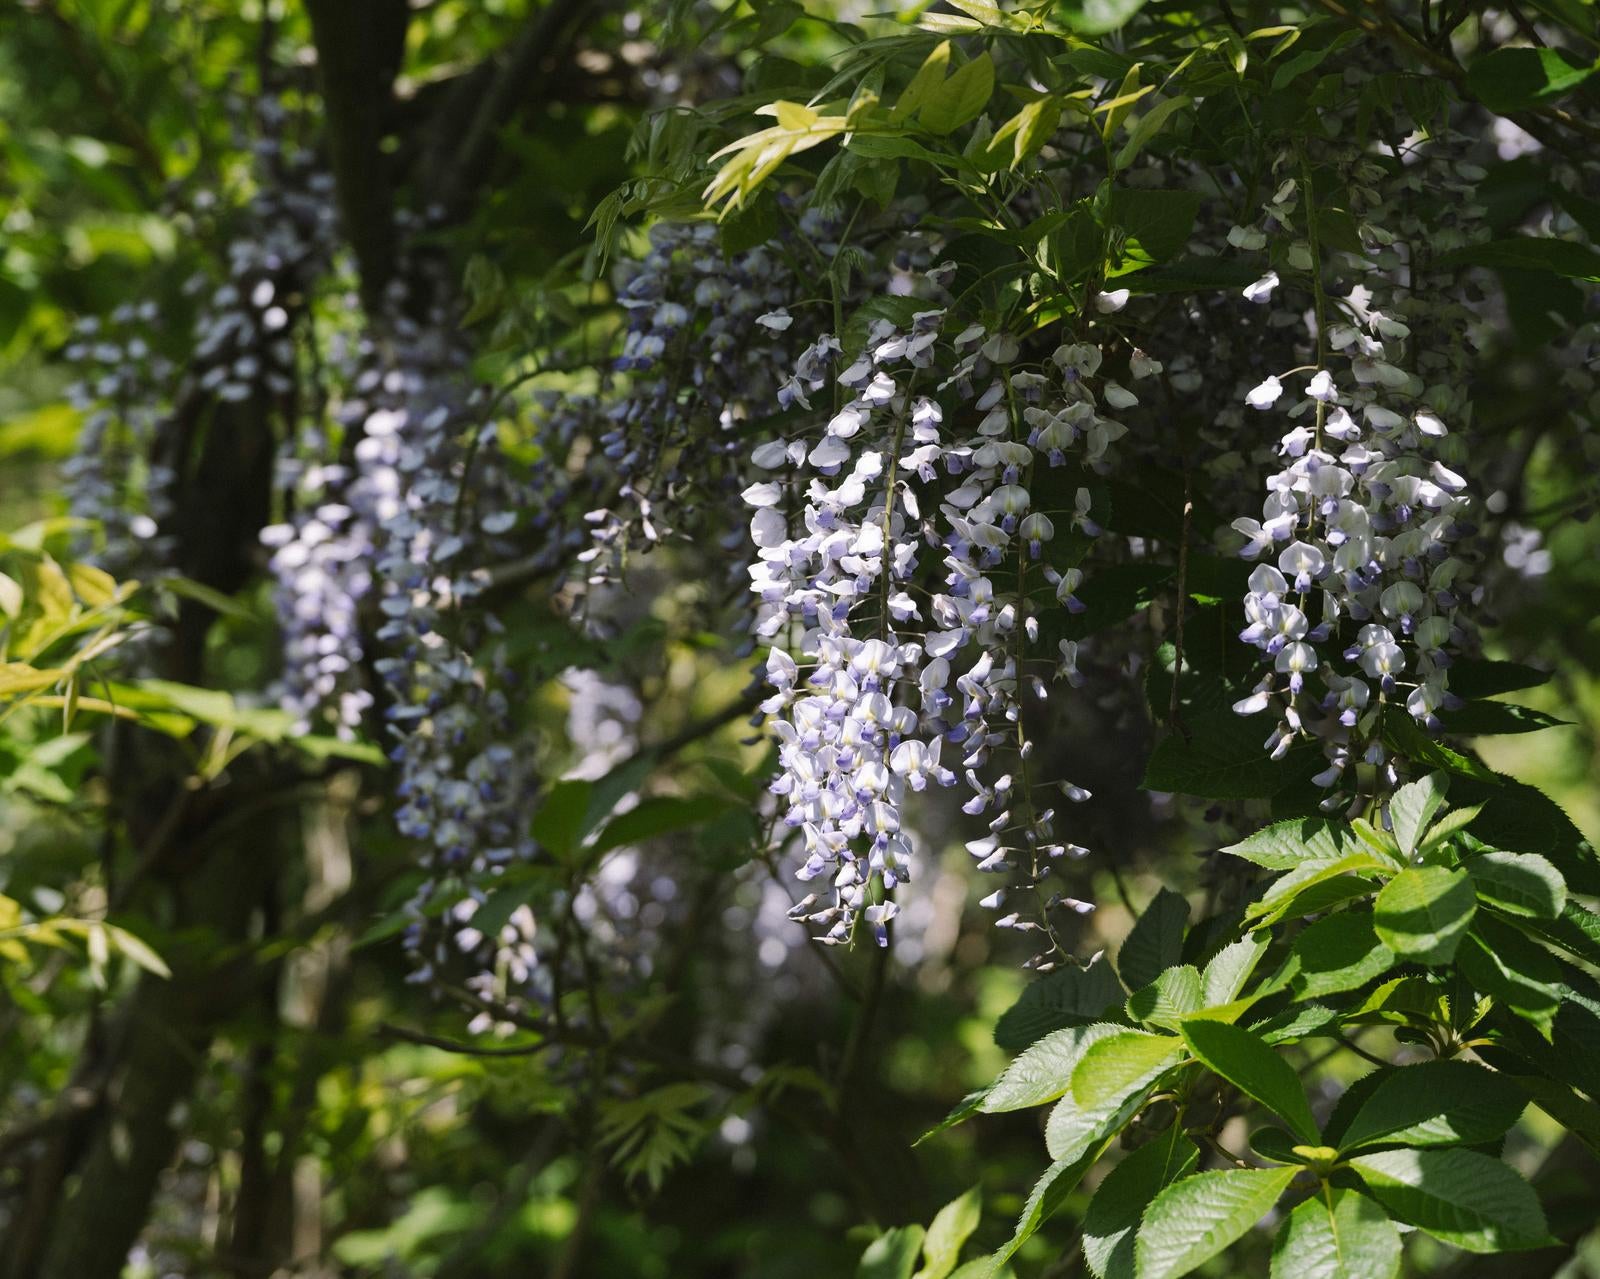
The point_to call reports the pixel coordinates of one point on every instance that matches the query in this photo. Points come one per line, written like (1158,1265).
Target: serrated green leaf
(1155,942)
(1284,845)
(1453,822)
(1254,1069)
(1193,1220)
(1436,1103)
(1518,973)
(1519,883)
(1169,998)
(1230,968)
(1109,1085)
(1046,1198)
(1339,953)
(1113,1214)
(1412,808)
(1113,1063)
(1067,997)
(1459,1196)
(1286,896)
(1424,912)
(1044,1072)
(1337,1234)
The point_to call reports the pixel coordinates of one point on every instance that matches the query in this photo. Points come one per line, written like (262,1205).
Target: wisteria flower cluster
(1357,600)
(881,686)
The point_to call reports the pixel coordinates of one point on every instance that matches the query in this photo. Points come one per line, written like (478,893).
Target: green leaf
(1518,883)
(1149,125)
(892,1254)
(1254,1069)
(1222,758)
(1339,953)
(1155,943)
(1284,845)
(1459,1196)
(1510,80)
(1193,1220)
(1475,678)
(1516,972)
(1044,1072)
(1529,253)
(1412,808)
(1230,968)
(1453,822)
(959,99)
(1113,1064)
(1113,1214)
(1067,997)
(656,816)
(1436,1103)
(1049,1193)
(1338,1234)
(963,1110)
(1294,1024)
(1169,998)
(1424,912)
(1488,719)
(559,824)
(950,1228)
(1157,223)
(1109,1085)
(1288,896)
(1096,17)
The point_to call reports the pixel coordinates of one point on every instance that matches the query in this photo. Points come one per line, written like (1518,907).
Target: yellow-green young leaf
(1193,1220)
(1423,913)
(1518,883)
(1150,124)
(136,950)
(1436,1103)
(959,99)
(1022,135)
(928,78)
(1459,1196)
(1254,1069)
(941,1249)
(1126,96)
(1114,1212)
(19,677)
(11,599)
(1337,1234)
(94,586)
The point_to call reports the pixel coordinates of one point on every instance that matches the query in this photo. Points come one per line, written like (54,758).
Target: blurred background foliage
(323,1134)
